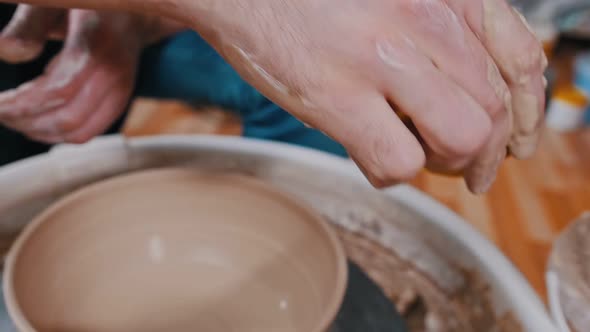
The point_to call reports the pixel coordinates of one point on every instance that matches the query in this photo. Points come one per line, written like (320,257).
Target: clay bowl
(176,250)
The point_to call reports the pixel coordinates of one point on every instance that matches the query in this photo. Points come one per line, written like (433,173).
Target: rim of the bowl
(330,312)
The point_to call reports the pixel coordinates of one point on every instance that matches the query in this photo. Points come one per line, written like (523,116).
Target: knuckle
(468,143)
(497,102)
(338,105)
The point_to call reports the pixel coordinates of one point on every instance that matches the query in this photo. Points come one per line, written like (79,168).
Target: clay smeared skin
(87,85)
(469,75)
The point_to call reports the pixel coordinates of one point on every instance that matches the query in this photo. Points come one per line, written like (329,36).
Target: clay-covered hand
(87,86)
(468,74)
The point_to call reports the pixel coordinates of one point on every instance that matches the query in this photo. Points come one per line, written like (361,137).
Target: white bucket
(323,180)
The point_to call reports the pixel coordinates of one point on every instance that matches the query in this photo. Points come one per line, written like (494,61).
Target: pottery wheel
(366,308)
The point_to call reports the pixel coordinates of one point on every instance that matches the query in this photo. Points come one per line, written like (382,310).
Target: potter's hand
(87,86)
(467,73)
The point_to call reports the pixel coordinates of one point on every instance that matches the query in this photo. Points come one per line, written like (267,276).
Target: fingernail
(480,177)
(480,188)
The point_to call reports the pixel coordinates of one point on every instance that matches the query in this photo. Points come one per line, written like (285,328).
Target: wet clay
(176,250)
(569,261)
(424,305)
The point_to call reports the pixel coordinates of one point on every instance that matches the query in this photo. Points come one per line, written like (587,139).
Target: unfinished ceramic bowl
(176,249)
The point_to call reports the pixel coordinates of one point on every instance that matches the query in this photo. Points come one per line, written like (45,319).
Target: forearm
(177,15)
(137,6)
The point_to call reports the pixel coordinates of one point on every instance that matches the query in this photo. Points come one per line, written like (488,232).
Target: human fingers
(481,173)
(54,88)
(374,136)
(457,52)
(378,141)
(88,125)
(521,60)
(452,124)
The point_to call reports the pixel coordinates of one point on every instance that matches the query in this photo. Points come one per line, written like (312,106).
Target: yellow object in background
(567,109)
(570,104)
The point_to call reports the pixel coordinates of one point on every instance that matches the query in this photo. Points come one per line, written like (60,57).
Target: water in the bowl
(211,303)
(209,306)
(201,294)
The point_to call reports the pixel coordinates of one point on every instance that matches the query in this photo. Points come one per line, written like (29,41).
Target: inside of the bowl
(178,250)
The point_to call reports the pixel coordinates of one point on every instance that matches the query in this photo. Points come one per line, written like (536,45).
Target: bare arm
(90,4)
(174,14)
(137,6)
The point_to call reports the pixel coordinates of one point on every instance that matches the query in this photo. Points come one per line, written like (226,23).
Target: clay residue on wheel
(569,261)
(423,304)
